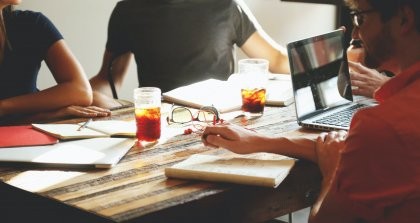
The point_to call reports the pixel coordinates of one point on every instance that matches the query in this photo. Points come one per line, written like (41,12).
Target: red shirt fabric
(378,179)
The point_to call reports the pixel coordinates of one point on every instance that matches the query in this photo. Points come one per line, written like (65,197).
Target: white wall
(83,24)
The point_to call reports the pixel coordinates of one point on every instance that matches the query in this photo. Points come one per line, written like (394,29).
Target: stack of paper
(226,96)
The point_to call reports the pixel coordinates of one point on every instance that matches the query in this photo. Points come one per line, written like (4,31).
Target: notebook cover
(25,135)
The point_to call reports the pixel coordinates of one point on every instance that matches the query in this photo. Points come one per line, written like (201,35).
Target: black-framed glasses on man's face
(207,114)
(358,18)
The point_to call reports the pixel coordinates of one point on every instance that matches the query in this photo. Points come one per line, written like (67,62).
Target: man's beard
(381,50)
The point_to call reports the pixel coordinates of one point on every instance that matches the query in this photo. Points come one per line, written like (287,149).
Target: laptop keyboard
(341,118)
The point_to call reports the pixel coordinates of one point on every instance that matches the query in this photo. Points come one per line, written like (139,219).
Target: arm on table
(72,88)
(325,151)
(102,94)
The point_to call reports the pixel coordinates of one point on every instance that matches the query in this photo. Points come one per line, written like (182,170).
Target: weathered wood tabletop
(136,190)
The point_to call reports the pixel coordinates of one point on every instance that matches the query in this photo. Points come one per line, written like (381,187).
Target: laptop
(321,82)
(86,153)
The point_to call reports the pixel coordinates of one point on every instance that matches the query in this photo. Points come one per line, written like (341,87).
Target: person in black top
(26,39)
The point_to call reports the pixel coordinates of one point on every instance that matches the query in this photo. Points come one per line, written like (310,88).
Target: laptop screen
(320,74)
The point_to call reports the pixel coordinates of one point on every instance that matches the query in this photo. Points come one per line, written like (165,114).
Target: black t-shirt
(177,42)
(30,35)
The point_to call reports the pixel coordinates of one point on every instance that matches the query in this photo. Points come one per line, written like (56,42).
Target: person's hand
(235,138)
(81,111)
(70,111)
(328,147)
(364,80)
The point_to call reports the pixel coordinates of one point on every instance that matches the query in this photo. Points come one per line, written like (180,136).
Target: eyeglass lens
(181,115)
(358,17)
(184,115)
(205,116)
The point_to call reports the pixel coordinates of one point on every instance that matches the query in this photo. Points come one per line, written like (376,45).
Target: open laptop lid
(85,153)
(320,74)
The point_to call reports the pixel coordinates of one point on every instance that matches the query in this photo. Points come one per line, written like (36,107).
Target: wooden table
(136,190)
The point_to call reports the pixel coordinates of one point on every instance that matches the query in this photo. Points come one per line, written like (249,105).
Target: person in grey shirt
(179,42)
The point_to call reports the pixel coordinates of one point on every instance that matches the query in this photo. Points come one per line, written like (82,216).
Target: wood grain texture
(136,189)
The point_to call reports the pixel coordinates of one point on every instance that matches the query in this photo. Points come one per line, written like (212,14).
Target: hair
(4,42)
(389,8)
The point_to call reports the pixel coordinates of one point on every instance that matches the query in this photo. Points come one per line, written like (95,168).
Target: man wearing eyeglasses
(371,173)
(364,80)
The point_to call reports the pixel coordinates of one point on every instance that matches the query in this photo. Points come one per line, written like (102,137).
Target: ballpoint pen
(84,124)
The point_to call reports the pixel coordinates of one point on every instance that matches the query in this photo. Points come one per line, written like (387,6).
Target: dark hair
(7,10)
(389,8)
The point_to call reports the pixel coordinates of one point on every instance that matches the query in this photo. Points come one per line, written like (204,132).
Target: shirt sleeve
(51,32)
(42,31)
(372,175)
(117,41)
(244,27)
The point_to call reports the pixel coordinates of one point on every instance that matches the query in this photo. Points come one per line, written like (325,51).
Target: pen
(84,124)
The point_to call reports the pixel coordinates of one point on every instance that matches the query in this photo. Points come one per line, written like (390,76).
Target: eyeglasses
(181,115)
(357,16)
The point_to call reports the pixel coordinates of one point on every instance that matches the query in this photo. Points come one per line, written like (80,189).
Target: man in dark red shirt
(371,174)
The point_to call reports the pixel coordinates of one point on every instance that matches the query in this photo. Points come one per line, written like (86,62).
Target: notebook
(226,96)
(321,82)
(85,153)
(23,135)
(100,128)
(258,169)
